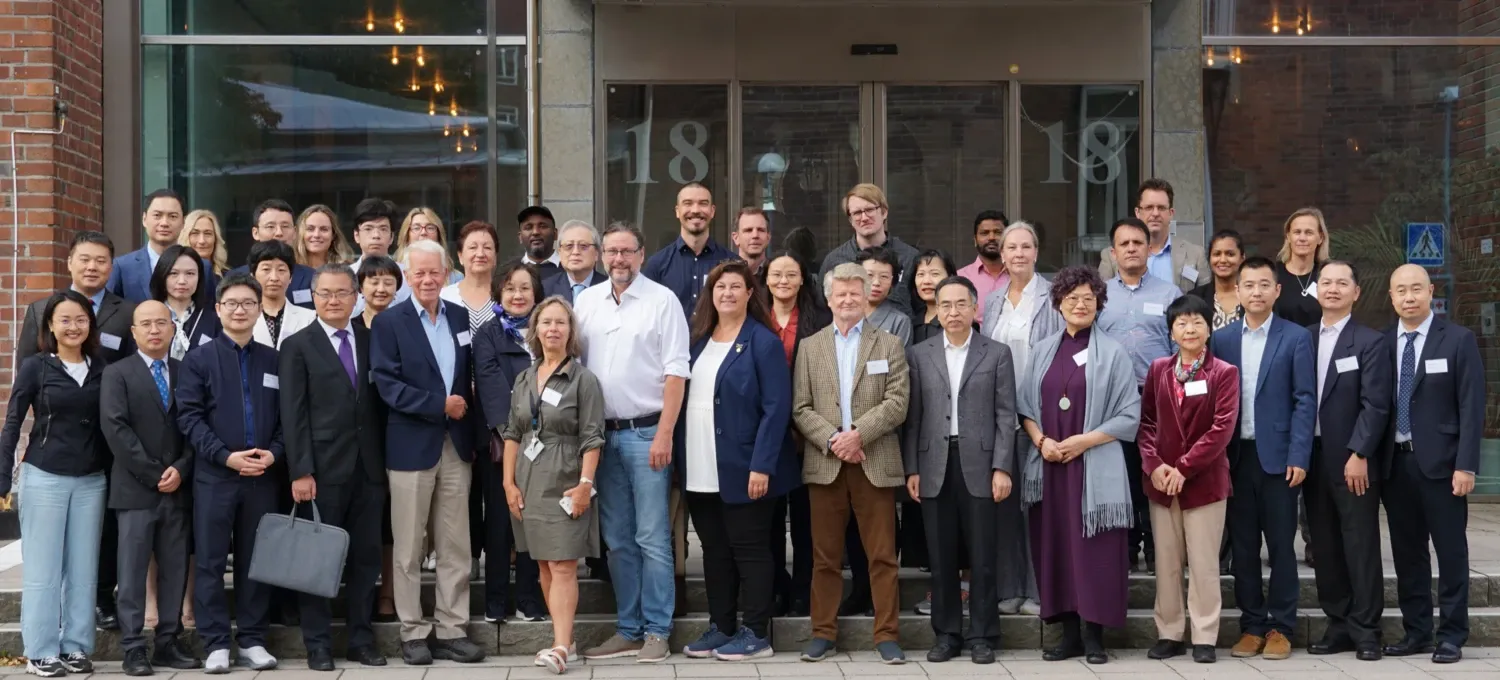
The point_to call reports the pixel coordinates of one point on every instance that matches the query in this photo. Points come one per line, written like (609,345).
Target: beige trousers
(1192,537)
(441,494)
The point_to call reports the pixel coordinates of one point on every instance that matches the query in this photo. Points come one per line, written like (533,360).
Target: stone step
(789,634)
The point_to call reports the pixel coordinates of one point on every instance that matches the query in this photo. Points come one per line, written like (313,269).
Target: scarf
(515,326)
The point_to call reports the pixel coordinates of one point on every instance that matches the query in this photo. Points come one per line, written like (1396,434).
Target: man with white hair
(578,244)
(419,361)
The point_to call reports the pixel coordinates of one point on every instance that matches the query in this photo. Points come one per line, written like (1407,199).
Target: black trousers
(1416,509)
(226,514)
(1140,531)
(1345,529)
(354,507)
(736,555)
(496,541)
(109,544)
(794,585)
(911,540)
(161,531)
(955,520)
(1263,504)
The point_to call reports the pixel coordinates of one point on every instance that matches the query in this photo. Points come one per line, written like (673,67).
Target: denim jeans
(61,520)
(636,526)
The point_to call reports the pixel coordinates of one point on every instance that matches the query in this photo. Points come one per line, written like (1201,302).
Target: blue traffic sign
(1424,243)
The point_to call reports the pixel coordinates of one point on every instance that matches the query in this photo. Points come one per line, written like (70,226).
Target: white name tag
(463,339)
(1437,365)
(878,367)
(301,297)
(1195,388)
(1152,309)
(1312,289)
(1082,357)
(1190,273)
(271,381)
(204,340)
(1346,364)
(109,340)
(551,396)
(533,449)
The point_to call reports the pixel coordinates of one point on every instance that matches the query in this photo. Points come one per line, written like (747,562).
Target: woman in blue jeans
(61,492)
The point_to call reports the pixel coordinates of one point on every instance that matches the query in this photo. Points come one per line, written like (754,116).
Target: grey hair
(337,269)
(847,271)
(1022,225)
(429,247)
(579,224)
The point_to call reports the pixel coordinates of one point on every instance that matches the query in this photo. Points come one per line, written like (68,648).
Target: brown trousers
(875,508)
(1191,537)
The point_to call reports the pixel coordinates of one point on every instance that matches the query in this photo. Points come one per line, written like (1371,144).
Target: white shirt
(633,345)
(846,354)
(1014,327)
(330,330)
(1252,348)
(702,455)
(1421,340)
(78,371)
(956,356)
(1328,340)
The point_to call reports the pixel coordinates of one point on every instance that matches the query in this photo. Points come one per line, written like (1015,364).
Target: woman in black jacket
(62,486)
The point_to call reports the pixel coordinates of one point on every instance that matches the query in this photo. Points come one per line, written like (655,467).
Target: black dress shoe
(320,659)
(1063,653)
(1330,646)
(462,650)
(1097,657)
(136,664)
(106,617)
(1204,654)
(1165,649)
(1409,647)
(416,653)
(982,653)
(366,655)
(1368,651)
(1448,653)
(173,655)
(944,650)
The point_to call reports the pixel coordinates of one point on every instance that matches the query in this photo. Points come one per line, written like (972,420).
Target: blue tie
(578,288)
(158,371)
(1404,390)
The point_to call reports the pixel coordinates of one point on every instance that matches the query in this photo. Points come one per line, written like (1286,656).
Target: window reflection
(330,17)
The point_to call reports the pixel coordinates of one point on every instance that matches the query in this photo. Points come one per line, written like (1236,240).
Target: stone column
(1177,135)
(565,81)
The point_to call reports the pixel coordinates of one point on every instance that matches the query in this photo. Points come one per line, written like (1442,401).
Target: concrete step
(789,634)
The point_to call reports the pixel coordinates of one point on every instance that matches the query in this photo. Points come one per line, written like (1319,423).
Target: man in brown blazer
(849,397)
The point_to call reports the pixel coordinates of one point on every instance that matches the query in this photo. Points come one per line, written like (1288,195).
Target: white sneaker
(1012,605)
(257,658)
(1031,608)
(572,655)
(217,663)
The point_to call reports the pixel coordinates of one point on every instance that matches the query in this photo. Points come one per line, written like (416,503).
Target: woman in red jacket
(1189,408)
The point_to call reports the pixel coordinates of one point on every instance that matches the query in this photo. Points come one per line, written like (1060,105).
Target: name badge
(1152,309)
(1196,388)
(1190,273)
(204,340)
(878,367)
(1082,357)
(271,381)
(1312,290)
(533,449)
(463,339)
(301,297)
(1346,364)
(109,340)
(551,396)
(1437,365)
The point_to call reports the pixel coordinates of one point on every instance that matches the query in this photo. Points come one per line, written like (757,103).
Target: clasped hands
(1064,451)
(848,446)
(250,462)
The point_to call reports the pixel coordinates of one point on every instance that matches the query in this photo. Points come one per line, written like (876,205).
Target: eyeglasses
(879,278)
(424,229)
(71,322)
(959,306)
(617,253)
(579,247)
(783,276)
(1149,209)
(154,324)
(863,212)
(1076,300)
(374,229)
(240,305)
(334,294)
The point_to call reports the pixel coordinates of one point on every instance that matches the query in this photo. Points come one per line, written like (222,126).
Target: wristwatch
(585,480)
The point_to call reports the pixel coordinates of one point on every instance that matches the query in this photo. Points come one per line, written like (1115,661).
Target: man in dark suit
(1343,497)
(273,220)
(1434,433)
(1278,406)
(578,243)
(335,453)
(162,217)
(147,491)
(419,360)
(229,412)
(964,383)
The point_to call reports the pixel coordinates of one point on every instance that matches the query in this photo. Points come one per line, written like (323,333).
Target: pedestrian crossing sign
(1424,243)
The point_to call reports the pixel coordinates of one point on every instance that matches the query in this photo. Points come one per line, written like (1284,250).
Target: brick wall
(50,51)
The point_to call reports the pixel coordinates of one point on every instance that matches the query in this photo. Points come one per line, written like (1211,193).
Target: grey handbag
(301,555)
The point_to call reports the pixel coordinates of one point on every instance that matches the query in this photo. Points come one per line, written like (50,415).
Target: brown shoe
(1248,646)
(1277,646)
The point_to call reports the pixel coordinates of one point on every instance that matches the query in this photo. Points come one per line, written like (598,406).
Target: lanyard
(536,397)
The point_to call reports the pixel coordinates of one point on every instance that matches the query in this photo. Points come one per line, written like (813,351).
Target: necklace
(1064,402)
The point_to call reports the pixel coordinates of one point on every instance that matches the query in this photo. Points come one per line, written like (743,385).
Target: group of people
(1028,440)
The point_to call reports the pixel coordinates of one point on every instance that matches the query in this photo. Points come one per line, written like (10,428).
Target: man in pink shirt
(987,273)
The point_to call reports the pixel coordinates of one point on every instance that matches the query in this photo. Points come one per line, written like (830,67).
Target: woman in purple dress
(1077,402)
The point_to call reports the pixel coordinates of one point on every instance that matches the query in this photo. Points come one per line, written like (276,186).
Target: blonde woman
(1304,249)
(422,224)
(203,234)
(319,240)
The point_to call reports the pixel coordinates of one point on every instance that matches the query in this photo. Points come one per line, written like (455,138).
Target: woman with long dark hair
(1226,252)
(930,267)
(181,283)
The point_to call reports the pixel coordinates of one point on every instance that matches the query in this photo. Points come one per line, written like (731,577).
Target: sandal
(557,663)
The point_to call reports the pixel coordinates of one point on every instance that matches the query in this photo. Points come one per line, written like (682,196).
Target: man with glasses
(635,340)
(273,221)
(373,218)
(538,234)
(867,209)
(578,242)
(1181,264)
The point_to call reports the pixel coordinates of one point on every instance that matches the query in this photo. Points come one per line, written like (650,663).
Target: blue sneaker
(890,653)
(817,649)
(743,646)
(704,647)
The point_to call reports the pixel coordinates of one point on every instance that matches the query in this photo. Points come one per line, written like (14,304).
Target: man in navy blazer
(1278,408)
(1343,482)
(419,360)
(273,221)
(1436,424)
(228,407)
(162,217)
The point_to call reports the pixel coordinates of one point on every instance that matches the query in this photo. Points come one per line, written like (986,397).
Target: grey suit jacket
(1184,254)
(986,415)
(1045,319)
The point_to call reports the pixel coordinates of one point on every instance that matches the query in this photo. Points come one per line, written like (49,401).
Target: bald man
(1437,421)
(138,415)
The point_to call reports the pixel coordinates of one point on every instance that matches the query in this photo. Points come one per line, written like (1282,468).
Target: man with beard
(987,272)
(538,234)
(683,264)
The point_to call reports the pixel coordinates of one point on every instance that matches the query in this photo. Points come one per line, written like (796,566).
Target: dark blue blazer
(752,414)
(302,280)
(1286,399)
(1447,409)
(406,374)
(498,360)
(1355,404)
(210,405)
(560,284)
(131,276)
(202,323)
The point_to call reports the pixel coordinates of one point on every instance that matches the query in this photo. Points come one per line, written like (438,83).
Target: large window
(334,101)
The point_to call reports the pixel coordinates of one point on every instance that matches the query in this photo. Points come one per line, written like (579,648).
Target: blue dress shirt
(847,349)
(441,341)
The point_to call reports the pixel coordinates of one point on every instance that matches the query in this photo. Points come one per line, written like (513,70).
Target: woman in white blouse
(1019,316)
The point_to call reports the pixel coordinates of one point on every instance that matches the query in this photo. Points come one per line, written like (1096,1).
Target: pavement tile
(1296,663)
(823,669)
(482,673)
(636,670)
(860,669)
(712,668)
